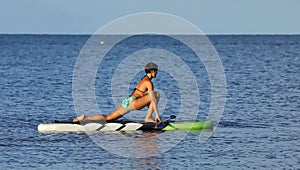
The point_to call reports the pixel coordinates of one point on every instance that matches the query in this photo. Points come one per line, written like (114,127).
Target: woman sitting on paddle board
(143,95)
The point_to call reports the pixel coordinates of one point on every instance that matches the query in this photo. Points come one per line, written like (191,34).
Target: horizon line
(209,34)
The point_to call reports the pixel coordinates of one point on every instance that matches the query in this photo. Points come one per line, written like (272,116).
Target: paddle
(172,117)
(167,122)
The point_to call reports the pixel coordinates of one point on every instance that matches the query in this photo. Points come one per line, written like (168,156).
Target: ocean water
(259,128)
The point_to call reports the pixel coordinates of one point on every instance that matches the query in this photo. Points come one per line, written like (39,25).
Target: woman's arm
(153,102)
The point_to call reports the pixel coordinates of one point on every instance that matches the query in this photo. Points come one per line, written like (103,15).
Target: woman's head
(151,66)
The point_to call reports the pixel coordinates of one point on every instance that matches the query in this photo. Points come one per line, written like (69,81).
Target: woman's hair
(149,70)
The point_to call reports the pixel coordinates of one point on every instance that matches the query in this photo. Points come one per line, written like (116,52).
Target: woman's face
(153,73)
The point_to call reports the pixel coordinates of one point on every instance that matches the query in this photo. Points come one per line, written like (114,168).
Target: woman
(143,95)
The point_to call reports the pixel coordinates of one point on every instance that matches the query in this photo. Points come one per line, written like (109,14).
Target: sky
(210,16)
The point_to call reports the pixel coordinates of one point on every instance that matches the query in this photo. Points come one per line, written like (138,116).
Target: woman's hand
(157,119)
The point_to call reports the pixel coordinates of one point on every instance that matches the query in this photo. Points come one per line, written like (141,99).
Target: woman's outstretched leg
(83,118)
(119,112)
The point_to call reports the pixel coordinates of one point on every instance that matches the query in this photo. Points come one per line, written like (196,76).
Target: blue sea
(259,128)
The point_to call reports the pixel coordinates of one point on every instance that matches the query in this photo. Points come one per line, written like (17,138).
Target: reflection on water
(128,144)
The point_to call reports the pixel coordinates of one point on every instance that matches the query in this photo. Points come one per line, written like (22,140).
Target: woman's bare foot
(149,120)
(79,118)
